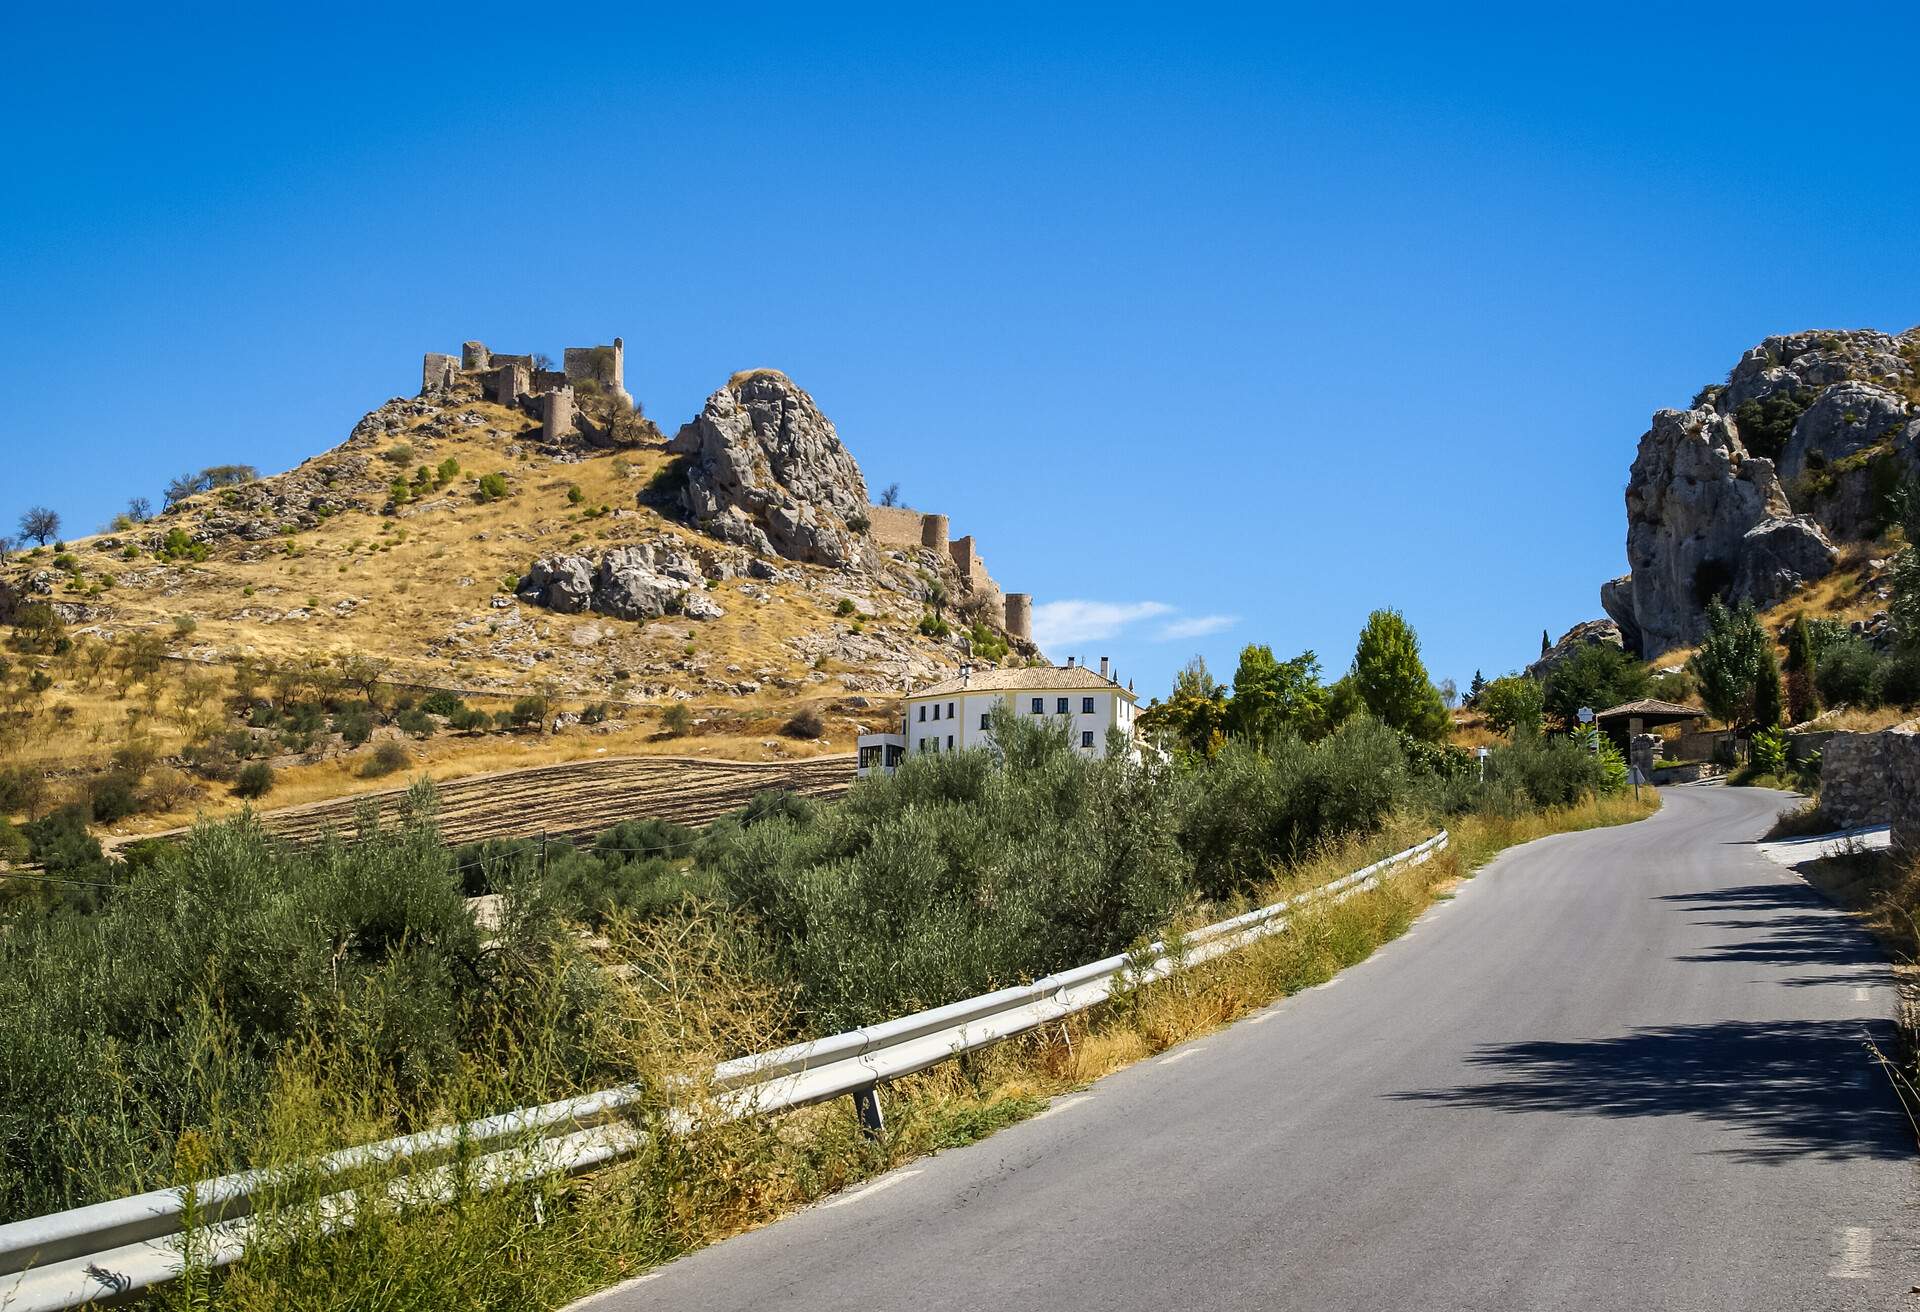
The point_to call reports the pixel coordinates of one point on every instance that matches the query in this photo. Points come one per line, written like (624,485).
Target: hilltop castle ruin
(516,382)
(897,526)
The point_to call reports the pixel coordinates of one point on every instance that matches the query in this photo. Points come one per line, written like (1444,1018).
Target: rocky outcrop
(765,470)
(1804,364)
(1585,634)
(1704,519)
(643,582)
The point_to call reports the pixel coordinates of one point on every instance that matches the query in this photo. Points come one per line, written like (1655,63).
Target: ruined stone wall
(605,365)
(437,371)
(894,526)
(965,559)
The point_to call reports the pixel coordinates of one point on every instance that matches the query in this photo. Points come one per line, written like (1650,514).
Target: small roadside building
(1627,721)
(956,714)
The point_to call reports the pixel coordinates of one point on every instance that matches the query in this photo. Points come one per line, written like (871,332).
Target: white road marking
(1262,1017)
(1863,995)
(1328,983)
(1181,1055)
(886,1182)
(1063,1104)
(1853,1253)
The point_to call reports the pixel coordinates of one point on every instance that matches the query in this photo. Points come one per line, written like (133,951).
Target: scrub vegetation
(228,999)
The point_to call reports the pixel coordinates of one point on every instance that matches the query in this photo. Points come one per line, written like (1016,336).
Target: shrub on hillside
(21,790)
(254,780)
(805,723)
(1846,673)
(388,757)
(442,703)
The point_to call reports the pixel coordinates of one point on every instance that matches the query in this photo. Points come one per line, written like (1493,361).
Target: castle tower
(1020,615)
(474,355)
(933,533)
(556,412)
(437,371)
(512,381)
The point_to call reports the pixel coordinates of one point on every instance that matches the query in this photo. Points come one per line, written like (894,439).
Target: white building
(958,714)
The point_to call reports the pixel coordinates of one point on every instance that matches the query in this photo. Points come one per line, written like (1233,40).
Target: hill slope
(462,540)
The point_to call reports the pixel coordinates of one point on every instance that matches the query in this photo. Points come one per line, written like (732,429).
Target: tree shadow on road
(1783,925)
(1796,1088)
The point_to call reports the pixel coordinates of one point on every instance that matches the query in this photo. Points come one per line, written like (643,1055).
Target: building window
(1086,737)
(1039,705)
(923,712)
(1086,706)
(986,719)
(869,757)
(1060,705)
(894,753)
(949,742)
(949,710)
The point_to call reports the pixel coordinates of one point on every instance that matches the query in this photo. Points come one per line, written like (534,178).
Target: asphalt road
(1622,1069)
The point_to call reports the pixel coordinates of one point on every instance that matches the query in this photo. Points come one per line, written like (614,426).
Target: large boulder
(1706,519)
(641,582)
(562,583)
(765,470)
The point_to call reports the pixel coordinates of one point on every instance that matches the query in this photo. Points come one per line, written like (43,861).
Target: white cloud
(1060,623)
(1196,626)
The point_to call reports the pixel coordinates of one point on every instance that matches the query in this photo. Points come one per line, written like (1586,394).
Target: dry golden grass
(417,589)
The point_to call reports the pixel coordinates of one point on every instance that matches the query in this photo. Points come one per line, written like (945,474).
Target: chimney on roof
(1103,667)
(966,674)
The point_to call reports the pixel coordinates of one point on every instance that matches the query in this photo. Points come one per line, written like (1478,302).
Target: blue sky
(1213,327)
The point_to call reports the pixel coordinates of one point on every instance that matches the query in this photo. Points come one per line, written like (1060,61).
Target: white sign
(1586,714)
(1482,753)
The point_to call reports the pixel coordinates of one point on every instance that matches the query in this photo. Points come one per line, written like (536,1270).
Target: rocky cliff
(1744,495)
(765,470)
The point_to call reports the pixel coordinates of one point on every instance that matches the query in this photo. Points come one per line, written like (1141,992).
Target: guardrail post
(866,1105)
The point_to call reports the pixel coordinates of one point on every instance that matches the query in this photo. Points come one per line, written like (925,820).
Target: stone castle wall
(894,526)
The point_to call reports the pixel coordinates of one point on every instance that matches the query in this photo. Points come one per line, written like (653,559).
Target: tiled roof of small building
(1650,708)
(1045,678)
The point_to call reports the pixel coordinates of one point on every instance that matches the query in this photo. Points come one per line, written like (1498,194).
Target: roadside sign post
(1482,754)
(1585,716)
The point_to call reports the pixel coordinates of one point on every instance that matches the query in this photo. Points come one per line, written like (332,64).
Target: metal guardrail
(112,1249)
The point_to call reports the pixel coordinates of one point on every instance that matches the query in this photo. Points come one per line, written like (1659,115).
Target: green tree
(1194,718)
(1474,689)
(1803,697)
(1728,663)
(1392,680)
(1597,675)
(1904,573)
(1270,695)
(1546,643)
(1768,707)
(1513,704)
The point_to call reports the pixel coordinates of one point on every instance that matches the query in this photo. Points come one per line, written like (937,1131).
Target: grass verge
(543,1244)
